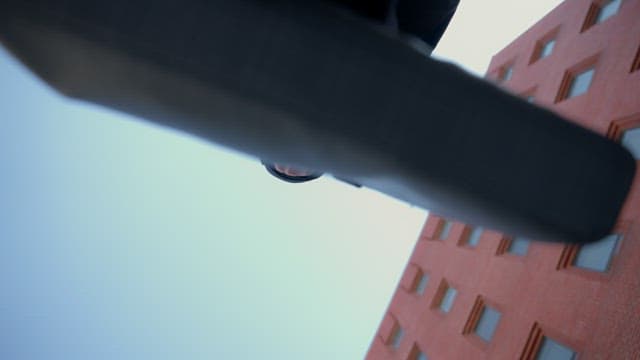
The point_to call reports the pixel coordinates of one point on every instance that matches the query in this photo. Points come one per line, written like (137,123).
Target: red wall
(596,314)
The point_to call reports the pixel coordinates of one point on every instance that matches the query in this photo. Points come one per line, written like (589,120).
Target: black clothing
(425,19)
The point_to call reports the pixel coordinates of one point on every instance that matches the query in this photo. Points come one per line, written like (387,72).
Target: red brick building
(473,293)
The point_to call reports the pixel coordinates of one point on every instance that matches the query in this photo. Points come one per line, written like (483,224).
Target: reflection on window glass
(487,323)
(551,350)
(631,140)
(597,256)
(580,83)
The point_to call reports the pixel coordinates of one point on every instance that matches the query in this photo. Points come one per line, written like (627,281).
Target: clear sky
(121,240)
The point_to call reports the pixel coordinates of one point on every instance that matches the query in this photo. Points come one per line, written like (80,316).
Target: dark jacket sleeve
(425,19)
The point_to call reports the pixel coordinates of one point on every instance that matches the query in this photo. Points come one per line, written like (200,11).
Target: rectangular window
(421,283)
(636,61)
(597,256)
(575,83)
(417,354)
(474,236)
(599,12)
(631,140)
(552,350)
(518,246)
(487,323)
(448,298)
(445,229)
(396,337)
(544,47)
(547,49)
(506,72)
(445,297)
(541,347)
(483,320)
(580,83)
(607,10)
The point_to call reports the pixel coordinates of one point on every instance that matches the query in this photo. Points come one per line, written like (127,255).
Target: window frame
(396,336)
(505,245)
(536,337)
(416,287)
(595,10)
(416,352)
(437,301)
(470,233)
(444,229)
(618,127)
(570,254)
(635,65)
(477,311)
(540,44)
(505,73)
(590,63)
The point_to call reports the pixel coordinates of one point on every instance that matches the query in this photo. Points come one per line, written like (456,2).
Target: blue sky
(120,239)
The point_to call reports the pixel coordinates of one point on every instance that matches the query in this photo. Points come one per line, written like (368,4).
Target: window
(575,84)
(636,61)
(551,350)
(541,347)
(446,297)
(474,236)
(529,94)
(417,354)
(547,49)
(506,72)
(601,12)
(445,228)
(487,323)
(518,246)
(421,283)
(607,10)
(396,337)
(597,256)
(513,245)
(631,140)
(447,300)
(580,83)
(543,48)
(483,320)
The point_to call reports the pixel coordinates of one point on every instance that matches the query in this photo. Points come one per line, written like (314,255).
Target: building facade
(474,293)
